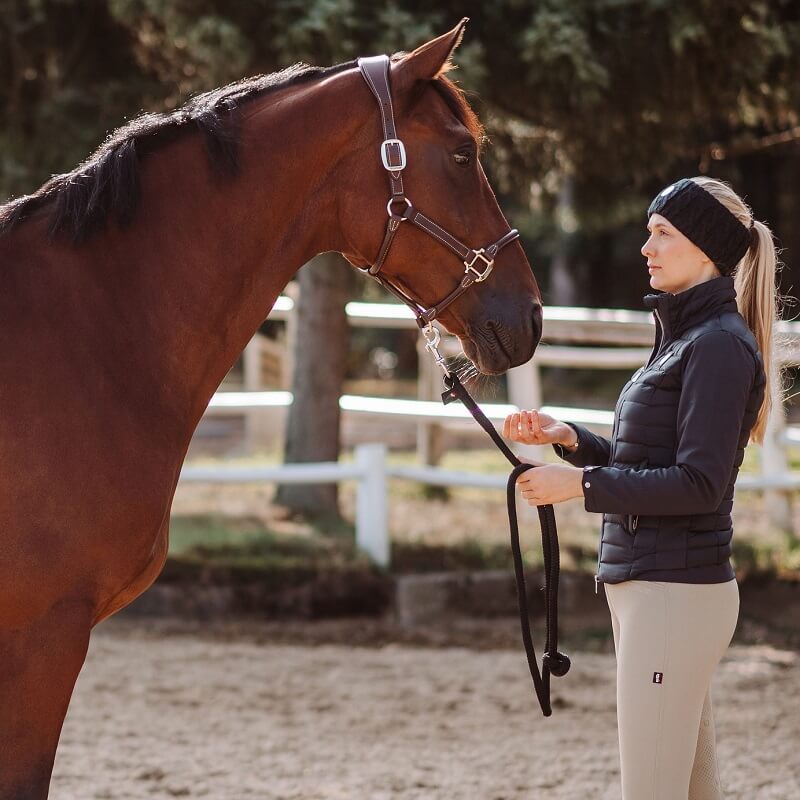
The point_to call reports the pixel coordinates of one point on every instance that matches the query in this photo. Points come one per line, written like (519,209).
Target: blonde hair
(757,296)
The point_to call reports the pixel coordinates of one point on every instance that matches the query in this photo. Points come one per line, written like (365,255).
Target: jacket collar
(680,311)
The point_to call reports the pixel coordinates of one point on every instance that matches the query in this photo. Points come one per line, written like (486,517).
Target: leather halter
(393,156)
(477,263)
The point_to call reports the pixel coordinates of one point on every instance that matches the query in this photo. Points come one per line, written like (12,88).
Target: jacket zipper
(657,349)
(633,520)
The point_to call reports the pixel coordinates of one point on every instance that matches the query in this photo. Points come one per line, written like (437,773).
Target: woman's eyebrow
(658,225)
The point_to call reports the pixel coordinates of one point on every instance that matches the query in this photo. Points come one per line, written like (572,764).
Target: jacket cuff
(589,496)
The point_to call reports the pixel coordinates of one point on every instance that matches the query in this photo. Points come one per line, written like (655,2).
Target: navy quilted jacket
(664,482)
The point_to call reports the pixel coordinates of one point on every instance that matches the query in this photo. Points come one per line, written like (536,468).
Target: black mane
(107,183)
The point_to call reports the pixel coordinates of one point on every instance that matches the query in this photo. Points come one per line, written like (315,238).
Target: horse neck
(211,257)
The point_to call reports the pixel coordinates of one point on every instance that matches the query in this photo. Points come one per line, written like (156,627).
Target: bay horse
(128,288)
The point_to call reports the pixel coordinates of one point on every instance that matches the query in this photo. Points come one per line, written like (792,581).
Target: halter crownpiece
(706,222)
(478,263)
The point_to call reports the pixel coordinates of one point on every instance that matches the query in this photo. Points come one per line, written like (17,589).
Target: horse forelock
(456,101)
(106,185)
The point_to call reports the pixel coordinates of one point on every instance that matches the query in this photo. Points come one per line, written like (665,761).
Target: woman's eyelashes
(659,232)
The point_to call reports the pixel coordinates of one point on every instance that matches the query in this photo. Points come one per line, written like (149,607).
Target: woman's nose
(647,248)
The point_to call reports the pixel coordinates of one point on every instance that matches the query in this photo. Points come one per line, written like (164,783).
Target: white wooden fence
(625,337)
(369,469)
(372,471)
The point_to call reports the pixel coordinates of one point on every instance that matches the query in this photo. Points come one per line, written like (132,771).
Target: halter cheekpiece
(478,263)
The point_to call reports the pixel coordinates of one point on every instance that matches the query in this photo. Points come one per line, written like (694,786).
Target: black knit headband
(702,219)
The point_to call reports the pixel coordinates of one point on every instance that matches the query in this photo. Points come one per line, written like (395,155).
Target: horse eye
(462,159)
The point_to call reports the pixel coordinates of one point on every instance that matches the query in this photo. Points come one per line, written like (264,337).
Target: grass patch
(247,543)
(431,529)
(471,554)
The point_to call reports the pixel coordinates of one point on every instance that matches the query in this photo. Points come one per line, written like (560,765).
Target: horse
(128,288)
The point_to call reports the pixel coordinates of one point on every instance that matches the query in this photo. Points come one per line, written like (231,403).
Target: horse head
(431,174)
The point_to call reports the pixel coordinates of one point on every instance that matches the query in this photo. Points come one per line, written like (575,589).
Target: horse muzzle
(495,346)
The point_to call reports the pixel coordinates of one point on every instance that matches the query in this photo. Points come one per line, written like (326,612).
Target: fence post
(292,291)
(430,435)
(525,391)
(253,417)
(372,524)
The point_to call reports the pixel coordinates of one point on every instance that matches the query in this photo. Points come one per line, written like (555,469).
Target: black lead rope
(553,662)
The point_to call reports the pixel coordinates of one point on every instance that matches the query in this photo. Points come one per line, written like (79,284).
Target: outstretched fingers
(523,426)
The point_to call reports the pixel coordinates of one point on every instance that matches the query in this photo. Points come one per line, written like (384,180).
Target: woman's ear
(428,61)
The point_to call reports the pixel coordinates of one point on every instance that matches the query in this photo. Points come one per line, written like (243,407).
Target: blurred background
(590,109)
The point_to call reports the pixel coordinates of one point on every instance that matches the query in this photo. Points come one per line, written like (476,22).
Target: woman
(664,482)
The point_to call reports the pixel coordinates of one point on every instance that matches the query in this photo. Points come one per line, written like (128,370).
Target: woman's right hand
(534,427)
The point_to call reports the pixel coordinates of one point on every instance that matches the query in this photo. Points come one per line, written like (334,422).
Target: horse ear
(429,60)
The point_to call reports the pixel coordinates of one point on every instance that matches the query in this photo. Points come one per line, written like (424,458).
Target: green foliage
(631,89)
(620,94)
(643,81)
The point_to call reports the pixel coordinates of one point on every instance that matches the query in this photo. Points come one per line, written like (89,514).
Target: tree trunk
(320,356)
(564,278)
(567,271)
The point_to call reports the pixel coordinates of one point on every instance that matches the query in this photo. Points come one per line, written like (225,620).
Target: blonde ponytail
(757,296)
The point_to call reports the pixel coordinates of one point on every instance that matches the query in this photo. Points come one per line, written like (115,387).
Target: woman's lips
(652,267)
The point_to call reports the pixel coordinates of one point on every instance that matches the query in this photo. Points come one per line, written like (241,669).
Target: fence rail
(624,338)
(372,472)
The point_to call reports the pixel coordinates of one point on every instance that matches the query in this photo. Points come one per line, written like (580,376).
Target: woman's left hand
(550,483)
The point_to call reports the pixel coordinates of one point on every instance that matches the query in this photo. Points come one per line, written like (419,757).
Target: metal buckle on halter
(385,155)
(470,266)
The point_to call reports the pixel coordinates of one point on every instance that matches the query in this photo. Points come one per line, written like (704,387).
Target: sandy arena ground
(170,709)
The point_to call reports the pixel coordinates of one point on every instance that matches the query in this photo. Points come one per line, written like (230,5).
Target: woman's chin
(658,283)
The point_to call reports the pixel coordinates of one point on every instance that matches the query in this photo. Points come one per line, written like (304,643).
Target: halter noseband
(477,263)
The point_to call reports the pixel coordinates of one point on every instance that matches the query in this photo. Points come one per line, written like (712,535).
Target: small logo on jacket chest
(658,677)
